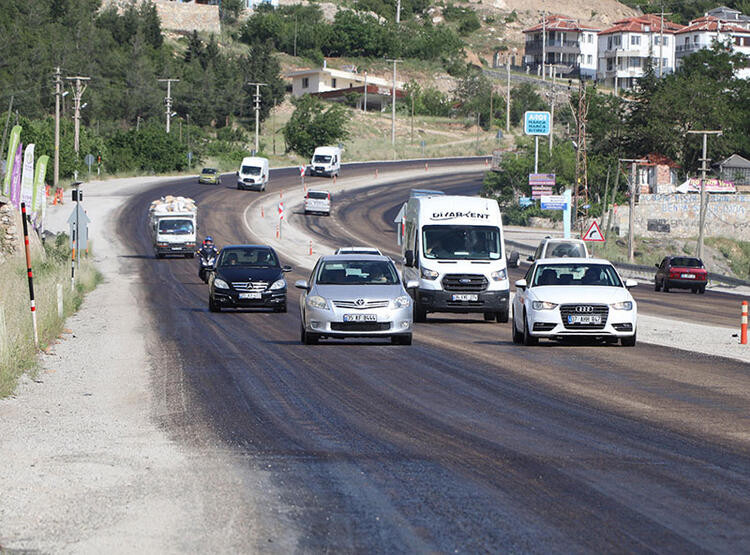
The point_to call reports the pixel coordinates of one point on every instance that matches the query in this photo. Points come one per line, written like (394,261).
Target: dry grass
(17,352)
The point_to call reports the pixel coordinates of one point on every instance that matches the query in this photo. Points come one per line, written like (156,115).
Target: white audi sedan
(564,297)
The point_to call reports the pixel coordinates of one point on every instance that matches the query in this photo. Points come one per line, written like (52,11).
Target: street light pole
(393,102)
(704,197)
(168,99)
(256,101)
(58,93)
(631,204)
(80,87)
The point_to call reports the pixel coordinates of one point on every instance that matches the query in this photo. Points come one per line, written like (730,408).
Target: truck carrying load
(173,225)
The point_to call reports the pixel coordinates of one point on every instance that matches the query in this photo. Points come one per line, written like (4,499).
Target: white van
(318,202)
(454,247)
(326,160)
(253,173)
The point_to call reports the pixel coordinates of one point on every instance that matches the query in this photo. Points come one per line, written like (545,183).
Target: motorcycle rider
(206,252)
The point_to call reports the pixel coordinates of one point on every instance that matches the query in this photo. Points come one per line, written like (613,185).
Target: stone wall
(180,16)
(678,215)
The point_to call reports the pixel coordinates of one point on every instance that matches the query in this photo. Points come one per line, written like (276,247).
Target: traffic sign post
(536,123)
(89,161)
(281,216)
(302,171)
(594,233)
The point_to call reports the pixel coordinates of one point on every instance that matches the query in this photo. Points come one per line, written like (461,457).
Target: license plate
(465,297)
(687,276)
(360,318)
(584,319)
(250,295)
(176,248)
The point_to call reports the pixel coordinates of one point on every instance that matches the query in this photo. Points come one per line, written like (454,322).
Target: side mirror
(237,174)
(521,284)
(530,259)
(657,265)
(630,283)
(409,258)
(302,284)
(412,284)
(286,268)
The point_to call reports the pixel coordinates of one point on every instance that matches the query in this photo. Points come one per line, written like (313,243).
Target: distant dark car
(247,276)
(681,272)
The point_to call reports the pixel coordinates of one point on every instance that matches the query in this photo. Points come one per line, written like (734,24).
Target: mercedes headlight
(316,301)
(278,284)
(403,301)
(622,305)
(499,275)
(426,273)
(543,305)
(220,284)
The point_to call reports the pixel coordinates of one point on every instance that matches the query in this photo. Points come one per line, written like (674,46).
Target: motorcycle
(206,266)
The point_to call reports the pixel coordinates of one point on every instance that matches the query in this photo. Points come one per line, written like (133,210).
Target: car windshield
(561,249)
(576,274)
(209,170)
(250,170)
(686,262)
(461,242)
(358,251)
(322,158)
(317,195)
(261,257)
(357,272)
(176,227)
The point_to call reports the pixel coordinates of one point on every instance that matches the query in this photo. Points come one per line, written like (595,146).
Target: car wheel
(503,316)
(420,313)
(657,285)
(281,308)
(665,286)
(213,306)
(517,335)
(489,316)
(310,338)
(404,339)
(528,339)
(159,255)
(628,341)
(702,289)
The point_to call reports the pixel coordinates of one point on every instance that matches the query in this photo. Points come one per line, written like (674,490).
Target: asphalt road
(463,441)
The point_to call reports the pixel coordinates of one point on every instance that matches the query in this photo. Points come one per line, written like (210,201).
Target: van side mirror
(530,258)
(409,258)
(237,173)
(521,284)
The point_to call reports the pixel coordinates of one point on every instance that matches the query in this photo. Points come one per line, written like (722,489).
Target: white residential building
(704,31)
(625,47)
(563,43)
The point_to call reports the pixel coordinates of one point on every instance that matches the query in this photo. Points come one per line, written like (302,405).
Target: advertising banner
(39,175)
(15,137)
(27,177)
(15,178)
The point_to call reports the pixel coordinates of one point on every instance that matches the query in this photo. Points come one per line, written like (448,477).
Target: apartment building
(561,42)
(624,48)
(704,31)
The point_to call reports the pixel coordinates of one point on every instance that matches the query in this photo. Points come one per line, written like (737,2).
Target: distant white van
(253,173)
(326,160)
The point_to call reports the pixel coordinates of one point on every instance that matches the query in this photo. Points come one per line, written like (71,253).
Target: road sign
(594,233)
(541,184)
(554,202)
(525,201)
(536,123)
(281,210)
(79,218)
(89,160)
(302,170)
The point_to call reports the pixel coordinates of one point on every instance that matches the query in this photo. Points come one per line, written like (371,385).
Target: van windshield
(322,158)
(175,227)
(250,170)
(461,242)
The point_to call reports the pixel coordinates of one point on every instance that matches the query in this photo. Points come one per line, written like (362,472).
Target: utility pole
(398,11)
(7,124)
(551,119)
(80,88)
(704,198)
(661,41)
(507,104)
(477,132)
(168,98)
(393,102)
(631,202)
(581,188)
(273,126)
(490,122)
(190,152)
(364,103)
(412,118)
(544,42)
(256,102)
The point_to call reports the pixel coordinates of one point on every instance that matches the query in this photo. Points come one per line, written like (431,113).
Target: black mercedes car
(247,276)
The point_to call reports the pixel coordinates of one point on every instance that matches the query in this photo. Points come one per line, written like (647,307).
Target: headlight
(543,305)
(278,284)
(220,284)
(622,305)
(499,275)
(402,302)
(317,301)
(429,274)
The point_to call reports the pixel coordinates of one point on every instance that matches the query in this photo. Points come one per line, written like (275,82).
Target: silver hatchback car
(355,296)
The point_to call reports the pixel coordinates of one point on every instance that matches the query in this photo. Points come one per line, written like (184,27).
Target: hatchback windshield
(248,256)
(250,170)
(685,262)
(209,170)
(317,195)
(576,274)
(175,227)
(357,272)
(322,159)
(560,249)
(454,242)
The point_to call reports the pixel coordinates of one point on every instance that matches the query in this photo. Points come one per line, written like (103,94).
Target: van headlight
(316,301)
(278,284)
(426,273)
(404,301)
(622,305)
(220,284)
(499,275)
(543,305)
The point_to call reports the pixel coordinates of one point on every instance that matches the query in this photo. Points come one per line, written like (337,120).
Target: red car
(681,272)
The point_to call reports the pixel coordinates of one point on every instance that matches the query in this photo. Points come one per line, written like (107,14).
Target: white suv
(551,247)
(318,202)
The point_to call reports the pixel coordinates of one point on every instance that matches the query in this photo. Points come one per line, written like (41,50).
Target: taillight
(329,196)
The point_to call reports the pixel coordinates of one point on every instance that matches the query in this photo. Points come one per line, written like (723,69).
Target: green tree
(524,98)
(314,124)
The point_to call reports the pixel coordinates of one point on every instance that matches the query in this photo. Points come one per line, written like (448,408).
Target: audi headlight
(278,284)
(622,305)
(402,302)
(316,301)
(429,274)
(543,305)
(499,275)
(220,284)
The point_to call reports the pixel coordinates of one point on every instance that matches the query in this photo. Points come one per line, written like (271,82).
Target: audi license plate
(584,319)
(252,295)
(360,318)
(687,276)
(464,297)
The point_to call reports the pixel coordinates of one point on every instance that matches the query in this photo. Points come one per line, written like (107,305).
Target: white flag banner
(27,177)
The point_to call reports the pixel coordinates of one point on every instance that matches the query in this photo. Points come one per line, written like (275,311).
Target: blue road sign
(536,123)
(525,201)
(554,202)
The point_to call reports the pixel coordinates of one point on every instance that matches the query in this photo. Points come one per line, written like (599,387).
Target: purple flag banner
(15,180)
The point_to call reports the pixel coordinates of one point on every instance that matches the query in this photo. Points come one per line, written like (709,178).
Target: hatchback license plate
(584,319)
(250,295)
(465,297)
(360,318)
(687,276)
